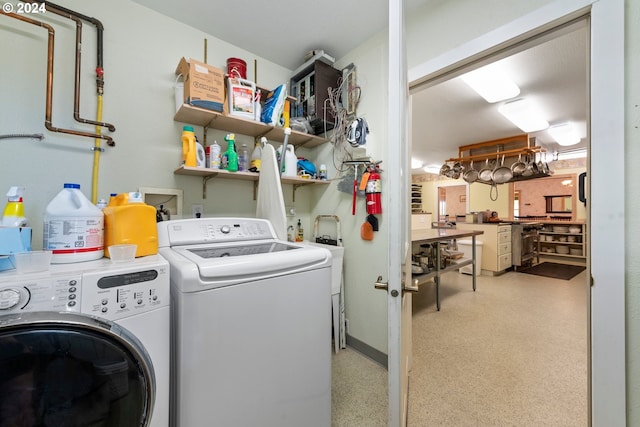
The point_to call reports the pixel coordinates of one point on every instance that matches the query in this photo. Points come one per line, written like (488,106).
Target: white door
(398,185)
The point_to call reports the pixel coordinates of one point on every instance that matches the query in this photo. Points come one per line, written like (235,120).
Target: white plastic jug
(290,162)
(73,227)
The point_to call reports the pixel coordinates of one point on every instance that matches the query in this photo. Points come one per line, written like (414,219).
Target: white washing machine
(251,325)
(86,344)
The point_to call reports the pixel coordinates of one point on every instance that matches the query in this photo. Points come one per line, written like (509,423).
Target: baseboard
(368,351)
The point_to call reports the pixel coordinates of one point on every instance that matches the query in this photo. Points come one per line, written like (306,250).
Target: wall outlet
(197,211)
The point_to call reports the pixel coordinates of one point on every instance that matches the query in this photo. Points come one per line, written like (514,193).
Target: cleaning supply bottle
(189,150)
(290,162)
(73,227)
(243,158)
(299,232)
(230,157)
(256,155)
(214,155)
(128,220)
(13,215)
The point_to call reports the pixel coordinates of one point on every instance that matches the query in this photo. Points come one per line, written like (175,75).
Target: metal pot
(534,165)
(545,165)
(502,174)
(528,170)
(455,171)
(485,173)
(471,175)
(518,167)
(445,169)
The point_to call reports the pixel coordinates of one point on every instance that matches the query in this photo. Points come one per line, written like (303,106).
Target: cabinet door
(504,262)
(504,248)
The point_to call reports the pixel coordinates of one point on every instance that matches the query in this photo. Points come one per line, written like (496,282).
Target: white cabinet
(496,245)
(420,221)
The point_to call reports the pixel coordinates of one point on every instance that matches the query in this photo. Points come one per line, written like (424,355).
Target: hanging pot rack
(499,153)
(515,145)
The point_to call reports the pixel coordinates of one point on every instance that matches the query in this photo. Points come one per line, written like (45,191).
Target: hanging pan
(528,170)
(445,169)
(485,173)
(471,175)
(518,167)
(502,173)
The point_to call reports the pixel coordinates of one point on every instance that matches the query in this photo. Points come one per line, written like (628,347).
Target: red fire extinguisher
(372,191)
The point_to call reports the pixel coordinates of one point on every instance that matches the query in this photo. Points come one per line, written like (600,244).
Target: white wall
(141,51)
(365,306)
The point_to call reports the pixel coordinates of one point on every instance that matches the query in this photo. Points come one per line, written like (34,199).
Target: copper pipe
(49,95)
(76,87)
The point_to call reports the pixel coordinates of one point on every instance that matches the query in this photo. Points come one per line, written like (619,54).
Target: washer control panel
(110,293)
(210,230)
(41,294)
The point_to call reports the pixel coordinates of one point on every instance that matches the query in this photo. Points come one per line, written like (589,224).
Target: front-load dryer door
(66,369)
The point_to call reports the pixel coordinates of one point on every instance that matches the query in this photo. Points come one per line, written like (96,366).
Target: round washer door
(67,369)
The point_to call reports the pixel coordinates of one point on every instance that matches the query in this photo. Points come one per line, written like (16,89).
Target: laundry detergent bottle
(13,215)
(189,149)
(128,220)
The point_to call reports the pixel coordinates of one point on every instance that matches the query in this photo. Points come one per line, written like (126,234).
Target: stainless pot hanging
(485,173)
(471,175)
(502,173)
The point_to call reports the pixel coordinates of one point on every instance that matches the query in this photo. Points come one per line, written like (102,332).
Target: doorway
(443,208)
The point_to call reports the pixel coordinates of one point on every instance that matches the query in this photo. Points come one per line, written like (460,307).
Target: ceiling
(450,114)
(553,74)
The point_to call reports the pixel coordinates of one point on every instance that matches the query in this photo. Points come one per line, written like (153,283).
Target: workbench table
(443,235)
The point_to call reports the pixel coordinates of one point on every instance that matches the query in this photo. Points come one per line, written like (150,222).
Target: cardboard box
(203,84)
(13,240)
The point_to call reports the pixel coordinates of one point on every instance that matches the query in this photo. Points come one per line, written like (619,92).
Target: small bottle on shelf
(299,232)
(243,158)
(230,157)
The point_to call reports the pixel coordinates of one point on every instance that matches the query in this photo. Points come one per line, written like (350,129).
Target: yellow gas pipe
(96,154)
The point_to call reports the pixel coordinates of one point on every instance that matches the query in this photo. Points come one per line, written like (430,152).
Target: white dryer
(86,344)
(251,324)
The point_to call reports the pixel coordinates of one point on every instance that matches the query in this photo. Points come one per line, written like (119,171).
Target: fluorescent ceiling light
(524,114)
(564,134)
(492,83)
(416,164)
(571,154)
(434,169)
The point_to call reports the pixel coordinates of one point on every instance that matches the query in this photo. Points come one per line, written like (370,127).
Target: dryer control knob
(225,229)
(9,298)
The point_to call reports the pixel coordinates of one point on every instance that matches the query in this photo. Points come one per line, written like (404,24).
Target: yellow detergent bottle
(189,150)
(13,215)
(128,220)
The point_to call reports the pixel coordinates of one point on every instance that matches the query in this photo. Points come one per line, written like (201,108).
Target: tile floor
(513,353)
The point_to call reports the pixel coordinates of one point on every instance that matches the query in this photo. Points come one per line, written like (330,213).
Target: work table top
(430,235)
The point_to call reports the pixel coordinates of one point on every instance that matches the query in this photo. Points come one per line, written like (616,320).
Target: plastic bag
(273,106)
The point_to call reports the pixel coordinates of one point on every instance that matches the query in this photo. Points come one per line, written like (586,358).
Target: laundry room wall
(141,51)
(364,260)
(450,23)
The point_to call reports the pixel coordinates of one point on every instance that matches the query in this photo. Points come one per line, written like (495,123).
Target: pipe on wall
(77,18)
(49,89)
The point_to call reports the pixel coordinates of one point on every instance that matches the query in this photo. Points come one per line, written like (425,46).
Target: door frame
(399,241)
(607,363)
